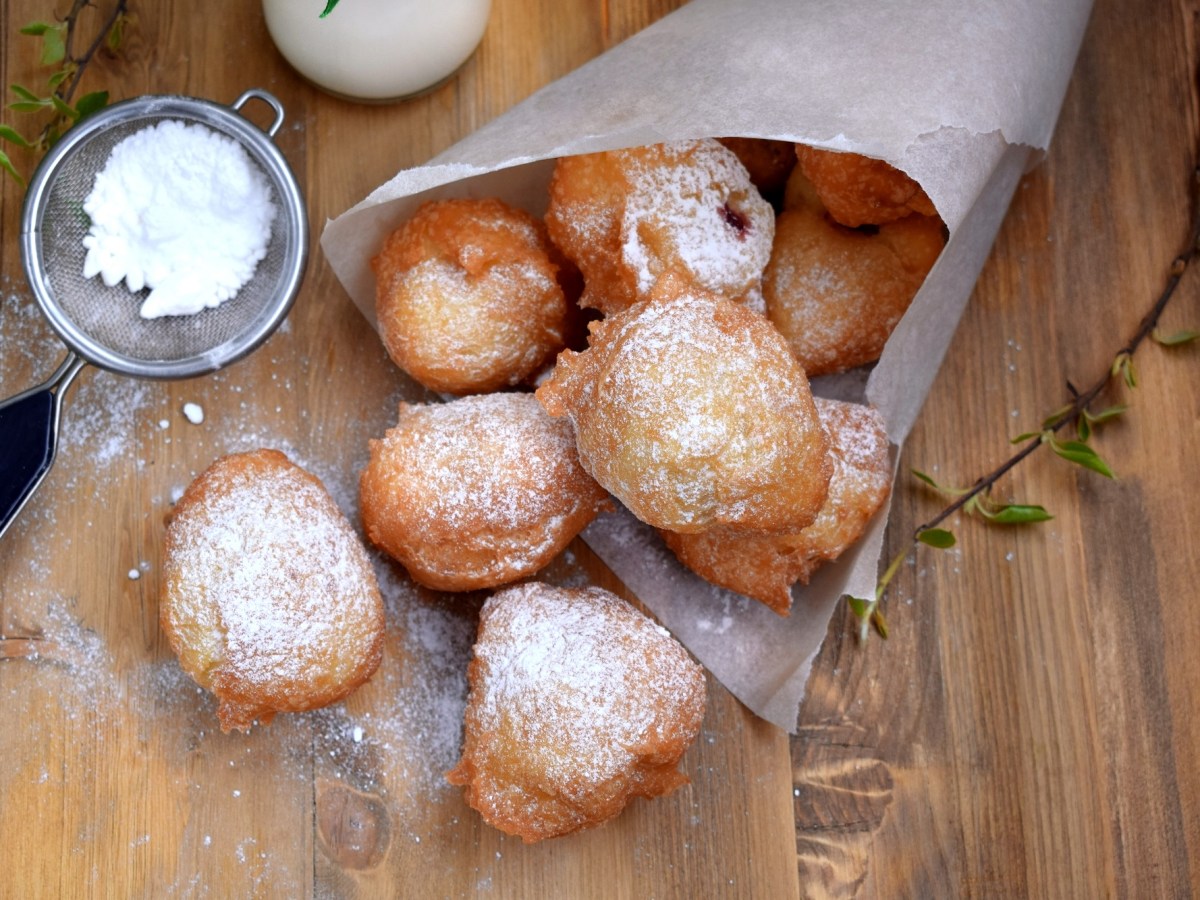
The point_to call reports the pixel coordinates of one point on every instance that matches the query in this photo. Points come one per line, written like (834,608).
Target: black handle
(26,451)
(29,439)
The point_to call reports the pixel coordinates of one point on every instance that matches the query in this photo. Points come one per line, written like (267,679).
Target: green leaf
(62,107)
(1018,514)
(13,136)
(1087,419)
(7,166)
(937,537)
(116,34)
(1083,455)
(54,48)
(59,77)
(858,605)
(940,488)
(1105,415)
(328,8)
(925,478)
(879,622)
(1028,436)
(23,92)
(36,28)
(1053,419)
(25,106)
(1123,366)
(1130,373)
(1176,338)
(90,103)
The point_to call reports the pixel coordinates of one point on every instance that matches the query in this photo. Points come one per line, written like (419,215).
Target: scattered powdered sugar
(402,732)
(182,210)
(100,422)
(194,413)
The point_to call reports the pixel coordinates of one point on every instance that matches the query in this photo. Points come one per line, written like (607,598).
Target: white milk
(377,50)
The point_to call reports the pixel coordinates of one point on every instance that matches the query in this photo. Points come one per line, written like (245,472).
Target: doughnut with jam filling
(627,218)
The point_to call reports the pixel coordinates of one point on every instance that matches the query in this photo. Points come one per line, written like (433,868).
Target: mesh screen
(109,315)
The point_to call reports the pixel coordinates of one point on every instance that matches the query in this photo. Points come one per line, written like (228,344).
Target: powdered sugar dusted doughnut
(268,597)
(476,492)
(768,162)
(627,218)
(693,413)
(836,293)
(467,296)
(765,567)
(858,190)
(577,704)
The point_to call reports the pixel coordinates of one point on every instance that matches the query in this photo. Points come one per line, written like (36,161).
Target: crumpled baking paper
(962,95)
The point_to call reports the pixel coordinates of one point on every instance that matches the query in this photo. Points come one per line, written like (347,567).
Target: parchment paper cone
(961,94)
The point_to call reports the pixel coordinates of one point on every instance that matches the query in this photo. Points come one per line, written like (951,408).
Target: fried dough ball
(769,162)
(764,567)
(693,413)
(476,492)
(268,596)
(858,190)
(836,293)
(577,704)
(467,296)
(628,217)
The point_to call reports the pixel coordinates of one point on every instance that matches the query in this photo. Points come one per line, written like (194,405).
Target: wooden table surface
(1027,731)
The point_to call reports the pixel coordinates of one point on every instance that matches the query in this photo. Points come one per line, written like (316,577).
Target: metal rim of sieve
(271,299)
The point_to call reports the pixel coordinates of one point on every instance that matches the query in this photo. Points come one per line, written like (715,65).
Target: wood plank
(1023,732)
(117,781)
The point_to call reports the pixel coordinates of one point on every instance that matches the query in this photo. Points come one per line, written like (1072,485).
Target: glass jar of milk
(377,50)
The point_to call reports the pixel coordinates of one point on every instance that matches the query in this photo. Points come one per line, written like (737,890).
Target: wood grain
(116,781)
(1028,730)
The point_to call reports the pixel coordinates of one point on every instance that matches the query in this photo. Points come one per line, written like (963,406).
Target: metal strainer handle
(97,322)
(266,98)
(29,423)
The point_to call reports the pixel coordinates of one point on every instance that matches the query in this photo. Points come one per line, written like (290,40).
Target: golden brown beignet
(268,596)
(768,162)
(836,293)
(858,190)
(467,296)
(693,413)
(764,567)
(577,704)
(476,492)
(627,218)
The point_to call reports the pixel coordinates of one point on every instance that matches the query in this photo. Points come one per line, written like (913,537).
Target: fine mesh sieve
(102,325)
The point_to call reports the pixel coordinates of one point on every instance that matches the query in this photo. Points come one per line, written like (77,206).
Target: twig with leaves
(67,62)
(978,500)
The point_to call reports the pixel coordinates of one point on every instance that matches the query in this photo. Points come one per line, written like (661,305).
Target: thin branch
(1081,401)
(869,613)
(81,62)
